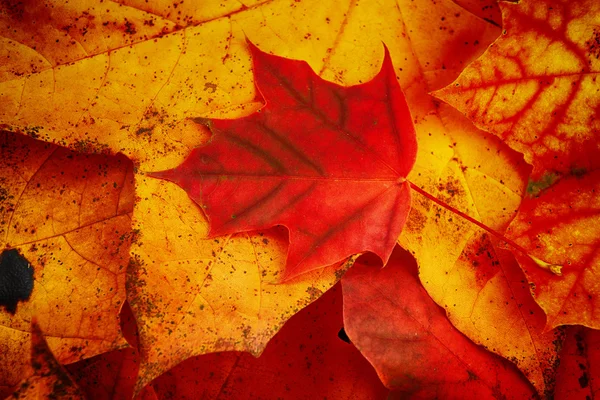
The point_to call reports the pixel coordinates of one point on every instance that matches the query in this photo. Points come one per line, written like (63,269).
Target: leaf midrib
(303,177)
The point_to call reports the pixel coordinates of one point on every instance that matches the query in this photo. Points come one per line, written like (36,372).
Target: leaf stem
(554,268)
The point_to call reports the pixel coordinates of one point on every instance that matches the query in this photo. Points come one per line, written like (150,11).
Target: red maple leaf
(327,162)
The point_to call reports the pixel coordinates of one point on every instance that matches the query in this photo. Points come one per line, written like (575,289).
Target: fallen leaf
(305,360)
(102,103)
(561,226)
(68,216)
(326,162)
(193,296)
(414,348)
(530,359)
(50,380)
(170,226)
(579,369)
(536,86)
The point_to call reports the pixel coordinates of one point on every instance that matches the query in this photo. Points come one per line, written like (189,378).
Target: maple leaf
(536,86)
(306,359)
(326,162)
(68,217)
(407,337)
(94,100)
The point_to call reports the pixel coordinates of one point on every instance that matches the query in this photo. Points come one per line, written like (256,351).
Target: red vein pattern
(325,161)
(562,226)
(536,87)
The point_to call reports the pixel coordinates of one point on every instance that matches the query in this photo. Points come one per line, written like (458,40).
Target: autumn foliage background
(132,297)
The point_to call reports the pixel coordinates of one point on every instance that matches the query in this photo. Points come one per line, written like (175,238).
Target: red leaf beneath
(305,360)
(325,161)
(411,343)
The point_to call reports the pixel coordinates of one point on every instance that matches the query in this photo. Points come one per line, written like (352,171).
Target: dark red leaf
(325,161)
(412,344)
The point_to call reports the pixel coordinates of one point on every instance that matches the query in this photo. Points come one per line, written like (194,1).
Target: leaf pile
(185,183)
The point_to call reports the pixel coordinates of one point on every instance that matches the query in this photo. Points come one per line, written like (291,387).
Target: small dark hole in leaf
(16,279)
(342,335)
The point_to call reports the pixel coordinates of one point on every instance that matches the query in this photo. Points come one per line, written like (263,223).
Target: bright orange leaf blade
(412,344)
(562,227)
(536,86)
(325,161)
